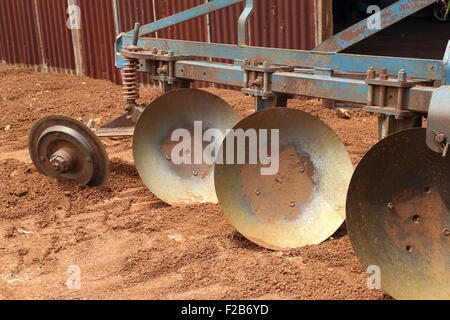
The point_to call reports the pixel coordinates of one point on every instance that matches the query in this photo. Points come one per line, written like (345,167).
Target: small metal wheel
(64,147)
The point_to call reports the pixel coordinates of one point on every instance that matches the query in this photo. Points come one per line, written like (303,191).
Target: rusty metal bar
(364,29)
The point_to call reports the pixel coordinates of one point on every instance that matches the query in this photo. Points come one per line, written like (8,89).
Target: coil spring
(130,72)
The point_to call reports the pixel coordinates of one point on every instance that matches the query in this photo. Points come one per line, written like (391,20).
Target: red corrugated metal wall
(56,36)
(19,39)
(275,23)
(98,36)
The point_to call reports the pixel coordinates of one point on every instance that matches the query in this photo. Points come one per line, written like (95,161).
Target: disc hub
(61,161)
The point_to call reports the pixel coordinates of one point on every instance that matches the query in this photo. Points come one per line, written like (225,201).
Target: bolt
(257,192)
(195,173)
(302,169)
(446,232)
(167,157)
(390,206)
(371,73)
(383,74)
(409,248)
(402,75)
(59,164)
(292,204)
(440,138)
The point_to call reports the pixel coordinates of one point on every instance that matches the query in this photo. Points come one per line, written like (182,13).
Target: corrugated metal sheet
(98,37)
(275,23)
(56,36)
(19,40)
(283,24)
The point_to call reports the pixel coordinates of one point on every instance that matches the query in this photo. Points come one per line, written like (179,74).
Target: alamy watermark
(374,280)
(258,147)
(74,280)
(374,21)
(74,21)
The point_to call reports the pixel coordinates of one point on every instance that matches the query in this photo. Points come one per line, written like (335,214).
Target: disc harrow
(396,203)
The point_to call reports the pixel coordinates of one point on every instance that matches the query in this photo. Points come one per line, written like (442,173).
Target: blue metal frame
(319,79)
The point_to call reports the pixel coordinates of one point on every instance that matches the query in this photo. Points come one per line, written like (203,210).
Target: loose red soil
(127,243)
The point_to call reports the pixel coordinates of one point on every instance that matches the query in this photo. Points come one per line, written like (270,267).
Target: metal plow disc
(184,183)
(303,203)
(63,147)
(398,216)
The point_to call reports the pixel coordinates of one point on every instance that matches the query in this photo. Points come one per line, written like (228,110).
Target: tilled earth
(126,242)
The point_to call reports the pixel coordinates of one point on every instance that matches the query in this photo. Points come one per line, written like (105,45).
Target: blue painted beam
(389,16)
(185,16)
(320,86)
(418,68)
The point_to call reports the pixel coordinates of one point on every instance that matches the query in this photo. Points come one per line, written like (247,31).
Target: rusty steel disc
(60,146)
(190,181)
(398,216)
(301,203)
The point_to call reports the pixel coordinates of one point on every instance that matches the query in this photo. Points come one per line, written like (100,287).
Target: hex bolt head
(257,192)
(292,204)
(402,75)
(446,232)
(440,138)
(59,164)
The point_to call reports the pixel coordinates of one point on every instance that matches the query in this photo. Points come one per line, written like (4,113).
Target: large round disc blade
(153,143)
(398,216)
(301,203)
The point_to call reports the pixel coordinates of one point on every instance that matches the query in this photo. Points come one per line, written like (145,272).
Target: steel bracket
(379,85)
(257,78)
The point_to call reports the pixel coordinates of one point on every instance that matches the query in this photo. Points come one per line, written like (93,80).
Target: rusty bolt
(162,70)
(257,192)
(417,219)
(292,204)
(440,138)
(59,164)
(167,157)
(195,173)
(446,232)
(390,206)
(371,73)
(302,169)
(383,74)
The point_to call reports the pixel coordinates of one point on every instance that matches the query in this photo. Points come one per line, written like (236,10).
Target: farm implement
(395,203)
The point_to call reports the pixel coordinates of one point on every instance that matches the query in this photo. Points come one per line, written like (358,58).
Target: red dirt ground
(126,242)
